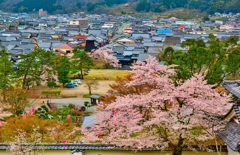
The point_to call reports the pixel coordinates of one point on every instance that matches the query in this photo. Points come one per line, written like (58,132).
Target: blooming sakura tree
(104,56)
(169,116)
(58,133)
(22,146)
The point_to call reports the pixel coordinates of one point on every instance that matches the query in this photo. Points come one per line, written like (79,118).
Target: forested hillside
(210,6)
(67,6)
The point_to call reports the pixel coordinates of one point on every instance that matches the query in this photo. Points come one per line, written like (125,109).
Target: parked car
(69,85)
(78,81)
(74,83)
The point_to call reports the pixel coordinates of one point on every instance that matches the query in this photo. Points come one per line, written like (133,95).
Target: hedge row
(53,92)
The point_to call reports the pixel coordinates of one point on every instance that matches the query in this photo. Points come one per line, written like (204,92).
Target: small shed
(94,99)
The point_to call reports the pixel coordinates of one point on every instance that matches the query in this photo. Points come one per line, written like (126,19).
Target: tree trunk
(178,149)
(4,94)
(89,90)
(81,73)
(24,82)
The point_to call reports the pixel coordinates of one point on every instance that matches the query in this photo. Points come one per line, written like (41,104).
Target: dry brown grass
(106,74)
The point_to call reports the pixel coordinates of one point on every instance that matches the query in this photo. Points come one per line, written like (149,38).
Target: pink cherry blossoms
(169,116)
(104,55)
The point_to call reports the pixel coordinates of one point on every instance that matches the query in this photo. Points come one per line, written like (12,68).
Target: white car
(74,83)
(78,81)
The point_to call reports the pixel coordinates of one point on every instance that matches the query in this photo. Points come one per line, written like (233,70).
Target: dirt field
(38,98)
(102,88)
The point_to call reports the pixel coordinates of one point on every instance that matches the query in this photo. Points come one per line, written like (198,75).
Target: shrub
(88,113)
(53,92)
(51,84)
(86,103)
(86,95)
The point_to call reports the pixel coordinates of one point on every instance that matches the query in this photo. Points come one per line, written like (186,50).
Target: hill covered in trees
(67,6)
(210,6)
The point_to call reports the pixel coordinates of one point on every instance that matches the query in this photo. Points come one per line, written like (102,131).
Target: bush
(86,103)
(51,84)
(53,92)
(87,113)
(86,95)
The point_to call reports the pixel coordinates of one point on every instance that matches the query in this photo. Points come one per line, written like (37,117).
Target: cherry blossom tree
(170,116)
(104,56)
(22,146)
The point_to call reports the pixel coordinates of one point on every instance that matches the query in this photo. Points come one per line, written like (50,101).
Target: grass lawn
(105,74)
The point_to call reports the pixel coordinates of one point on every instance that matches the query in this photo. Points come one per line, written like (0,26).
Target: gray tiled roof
(143,57)
(233,86)
(231,135)
(68,146)
(80,146)
(88,121)
(236,108)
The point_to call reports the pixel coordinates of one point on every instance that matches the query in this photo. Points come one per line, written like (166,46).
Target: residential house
(94,32)
(80,22)
(65,48)
(45,45)
(126,41)
(172,41)
(163,30)
(140,36)
(80,37)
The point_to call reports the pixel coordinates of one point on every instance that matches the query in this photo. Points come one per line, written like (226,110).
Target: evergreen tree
(63,68)
(35,67)
(6,72)
(81,62)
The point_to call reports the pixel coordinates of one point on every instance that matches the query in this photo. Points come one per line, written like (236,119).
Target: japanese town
(120,77)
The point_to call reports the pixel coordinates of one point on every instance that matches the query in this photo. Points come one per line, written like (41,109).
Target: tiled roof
(172,40)
(233,87)
(236,108)
(81,37)
(231,135)
(82,147)
(68,146)
(64,46)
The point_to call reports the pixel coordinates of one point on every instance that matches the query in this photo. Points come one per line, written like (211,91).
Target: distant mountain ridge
(68,6)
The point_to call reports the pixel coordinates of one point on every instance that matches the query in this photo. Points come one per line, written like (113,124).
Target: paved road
(120,32)
(76,101)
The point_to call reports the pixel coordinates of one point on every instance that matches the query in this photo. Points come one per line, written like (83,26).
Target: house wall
(74,22)
(98,152)
(126,42)
(110,152)
(64,50)
(83,23)
(46,152)
(231,152)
